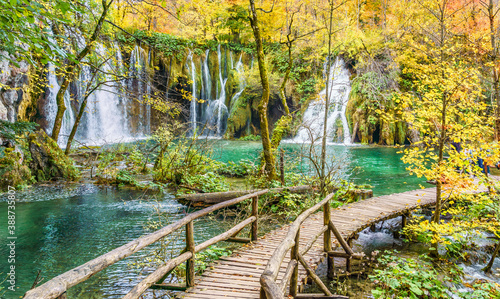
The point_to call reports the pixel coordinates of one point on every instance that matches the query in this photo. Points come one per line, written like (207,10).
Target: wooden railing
(270,289)
(57,287)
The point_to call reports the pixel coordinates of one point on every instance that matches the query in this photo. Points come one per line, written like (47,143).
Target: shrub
(409,278)
(208,182)
(241,168)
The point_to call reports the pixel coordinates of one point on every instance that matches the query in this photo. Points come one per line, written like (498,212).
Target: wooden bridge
(272,266)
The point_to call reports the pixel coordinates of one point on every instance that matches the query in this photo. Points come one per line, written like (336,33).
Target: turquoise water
(61,227)
(380,167)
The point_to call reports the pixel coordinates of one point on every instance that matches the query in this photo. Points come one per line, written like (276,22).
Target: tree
(25,28)
(491,10)
(264,102)
(71,69)
(443,100)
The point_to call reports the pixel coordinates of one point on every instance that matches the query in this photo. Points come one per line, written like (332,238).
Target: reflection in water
(61,227)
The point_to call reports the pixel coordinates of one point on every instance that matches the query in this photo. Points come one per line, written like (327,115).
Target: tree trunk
(264,125)
(71,68)
(327,95)
(493,256)
(75,125)
(494,72)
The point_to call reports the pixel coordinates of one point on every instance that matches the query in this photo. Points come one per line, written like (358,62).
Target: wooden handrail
(61,283)
(152,278)
(268,278)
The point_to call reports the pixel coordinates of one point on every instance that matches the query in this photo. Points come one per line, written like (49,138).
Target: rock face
(48,160)
(13,84)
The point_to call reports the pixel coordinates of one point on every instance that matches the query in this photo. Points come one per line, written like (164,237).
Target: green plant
(483,290)
(241,168)
(410,278)
(208,182)
(203,259)
(14,131)
(250,138)
(307,87)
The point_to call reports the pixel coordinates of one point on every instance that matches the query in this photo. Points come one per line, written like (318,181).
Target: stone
(3,111)
(48,160)
(10,97)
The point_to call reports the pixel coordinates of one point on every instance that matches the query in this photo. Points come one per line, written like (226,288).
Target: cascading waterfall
(206,87)
(107,122)
(51,108)
(242,84)
(313,120)
(110,108)
(139,85)
(214,112)
(217,109)
(192,69)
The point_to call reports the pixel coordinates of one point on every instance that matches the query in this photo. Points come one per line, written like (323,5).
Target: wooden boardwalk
(237,276)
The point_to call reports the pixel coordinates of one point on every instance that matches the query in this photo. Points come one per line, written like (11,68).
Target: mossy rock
(48,161)
(12,171)
(239,116)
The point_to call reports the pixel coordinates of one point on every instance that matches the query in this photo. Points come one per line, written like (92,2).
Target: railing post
(282,166)
(348,265)
(294,282)
(327,240)
(190,247)
(255,212)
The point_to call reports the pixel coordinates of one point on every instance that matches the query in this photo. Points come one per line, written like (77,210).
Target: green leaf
(416,290)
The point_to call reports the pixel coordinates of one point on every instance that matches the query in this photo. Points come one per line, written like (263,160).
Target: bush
(12,172)
(250,138)
(208,182)
(239,169)
(410,278)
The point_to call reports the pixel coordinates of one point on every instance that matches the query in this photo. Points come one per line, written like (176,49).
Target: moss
(387,133)
(12,171)
(281,130)
(47,157)
(400,134)
(239,116)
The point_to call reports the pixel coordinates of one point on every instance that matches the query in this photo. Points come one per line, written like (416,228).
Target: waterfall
(216,112)
(111,113)
(313,120)
(51,108)
(242,84)
(192,69)
(109,122)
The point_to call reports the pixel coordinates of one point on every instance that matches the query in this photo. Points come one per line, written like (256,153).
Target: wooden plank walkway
(237,276)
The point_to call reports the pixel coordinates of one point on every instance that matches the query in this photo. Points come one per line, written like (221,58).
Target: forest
(120,118)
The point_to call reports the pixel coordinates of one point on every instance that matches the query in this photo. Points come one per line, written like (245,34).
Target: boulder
(48,161)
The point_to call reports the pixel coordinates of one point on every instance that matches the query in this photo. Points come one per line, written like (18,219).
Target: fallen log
(207,199)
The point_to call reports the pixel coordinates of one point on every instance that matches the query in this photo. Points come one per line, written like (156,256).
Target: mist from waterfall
(313,119)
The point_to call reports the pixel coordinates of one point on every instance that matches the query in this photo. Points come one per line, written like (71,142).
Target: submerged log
(207,199)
